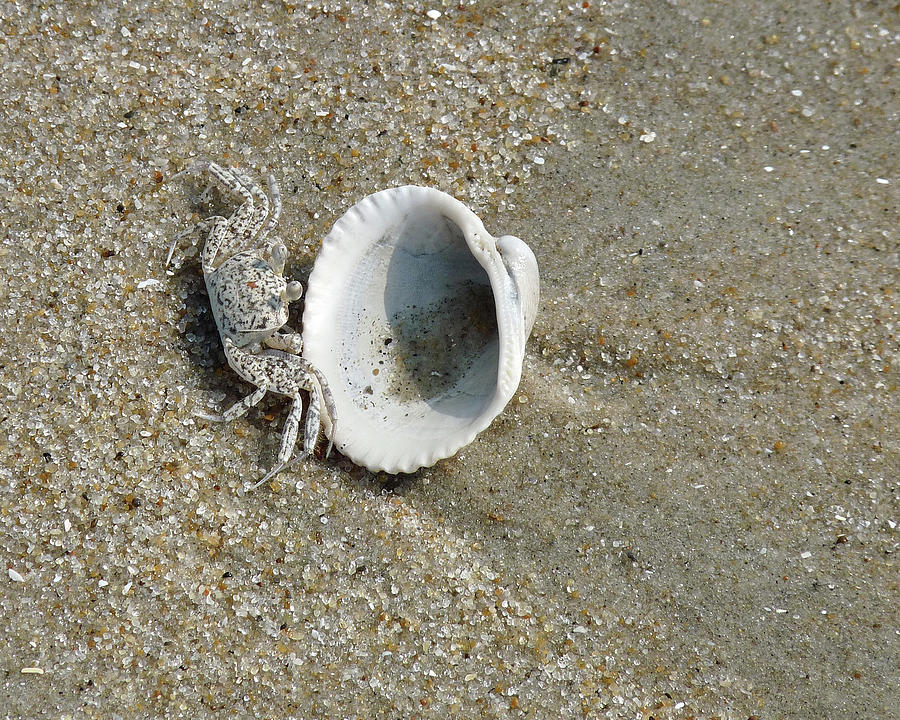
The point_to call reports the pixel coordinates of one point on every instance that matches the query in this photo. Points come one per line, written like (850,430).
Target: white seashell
(418,319)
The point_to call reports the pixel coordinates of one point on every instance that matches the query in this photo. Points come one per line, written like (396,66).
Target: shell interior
(401,318)
(426,351)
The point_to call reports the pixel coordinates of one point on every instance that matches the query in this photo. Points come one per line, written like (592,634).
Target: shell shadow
(364,480)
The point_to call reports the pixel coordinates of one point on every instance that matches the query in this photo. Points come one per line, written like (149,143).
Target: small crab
(249,299)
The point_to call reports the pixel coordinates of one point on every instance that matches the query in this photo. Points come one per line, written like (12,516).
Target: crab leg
(286,342)
(273,217)
(217,237)
(240,408)
(288,441)
(316,381)
(246,221)
(311,431)
(258,223)
(204,227)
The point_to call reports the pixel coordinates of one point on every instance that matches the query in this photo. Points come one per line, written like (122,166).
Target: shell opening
(431,348)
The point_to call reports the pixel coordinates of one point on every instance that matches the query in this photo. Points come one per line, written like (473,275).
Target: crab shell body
(249,299)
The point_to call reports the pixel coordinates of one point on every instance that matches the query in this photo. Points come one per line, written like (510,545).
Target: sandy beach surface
(690,508)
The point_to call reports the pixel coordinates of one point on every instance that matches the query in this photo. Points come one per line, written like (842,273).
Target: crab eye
(293,291)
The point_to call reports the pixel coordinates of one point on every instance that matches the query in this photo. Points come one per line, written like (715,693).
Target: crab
(249,297)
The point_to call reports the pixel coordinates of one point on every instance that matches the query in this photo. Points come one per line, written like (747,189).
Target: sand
(689,509)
